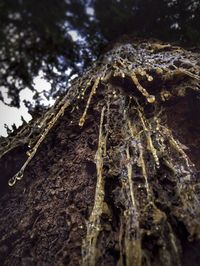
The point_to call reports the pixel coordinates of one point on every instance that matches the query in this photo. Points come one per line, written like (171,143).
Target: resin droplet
(19,176)
(31,151)
(28,153)
(150,78)
(12,181)
(159,70)
(151,99)
(81,122)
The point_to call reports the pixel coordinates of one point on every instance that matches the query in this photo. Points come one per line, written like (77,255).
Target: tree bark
(109,175)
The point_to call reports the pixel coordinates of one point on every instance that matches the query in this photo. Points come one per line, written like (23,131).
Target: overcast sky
(12,115)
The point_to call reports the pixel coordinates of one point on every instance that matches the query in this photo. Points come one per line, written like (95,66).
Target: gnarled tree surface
(109,175)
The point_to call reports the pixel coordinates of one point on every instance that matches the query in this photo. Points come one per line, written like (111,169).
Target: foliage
(169,20)
(40,35)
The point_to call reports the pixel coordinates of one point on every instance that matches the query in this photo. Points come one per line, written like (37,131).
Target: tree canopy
(62,38)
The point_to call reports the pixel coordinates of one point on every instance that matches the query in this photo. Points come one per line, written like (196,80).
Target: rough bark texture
(109,175)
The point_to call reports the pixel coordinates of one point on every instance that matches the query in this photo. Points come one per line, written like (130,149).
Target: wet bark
(109,175)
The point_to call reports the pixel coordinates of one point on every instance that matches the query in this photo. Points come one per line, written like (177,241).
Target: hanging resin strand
(33,151)
(93,226)
(150,98)
(93,91)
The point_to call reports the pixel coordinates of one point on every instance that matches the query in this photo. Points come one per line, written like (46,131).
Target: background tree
(42,36)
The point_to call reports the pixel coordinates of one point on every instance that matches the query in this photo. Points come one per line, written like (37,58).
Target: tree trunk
(109,175)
